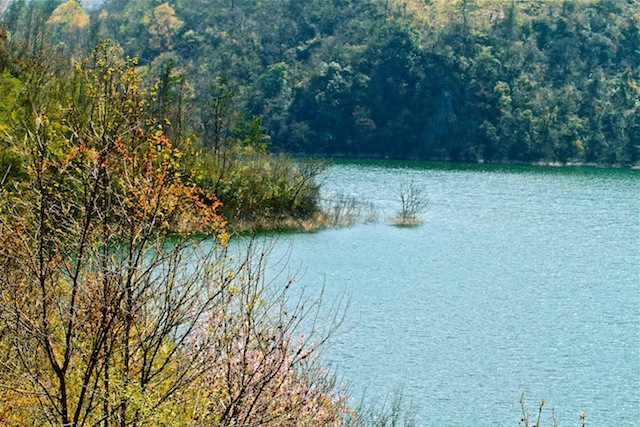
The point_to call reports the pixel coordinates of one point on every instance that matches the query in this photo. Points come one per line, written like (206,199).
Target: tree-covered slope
(478,80)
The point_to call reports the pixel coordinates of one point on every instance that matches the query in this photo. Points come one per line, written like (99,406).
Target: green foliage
(262,191)
(226,147)
(11,166)
(466,80)
(470,80)
(10,109)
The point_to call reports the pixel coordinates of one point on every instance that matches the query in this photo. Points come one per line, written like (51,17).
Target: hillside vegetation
(224,151)
(476,80)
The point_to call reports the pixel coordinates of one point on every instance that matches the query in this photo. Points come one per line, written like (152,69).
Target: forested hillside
(474,80)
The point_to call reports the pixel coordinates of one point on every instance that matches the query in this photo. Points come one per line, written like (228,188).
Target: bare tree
(413,203)
(265,370)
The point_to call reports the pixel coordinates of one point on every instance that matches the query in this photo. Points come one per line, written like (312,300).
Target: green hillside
(472,80)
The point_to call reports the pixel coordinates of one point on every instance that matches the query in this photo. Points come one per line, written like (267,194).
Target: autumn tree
(164,26)
(69,24)
(70,14)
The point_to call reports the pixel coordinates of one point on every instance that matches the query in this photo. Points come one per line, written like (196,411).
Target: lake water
(519,279)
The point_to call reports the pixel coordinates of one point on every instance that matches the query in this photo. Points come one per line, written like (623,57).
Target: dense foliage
(224,150)
(478,80)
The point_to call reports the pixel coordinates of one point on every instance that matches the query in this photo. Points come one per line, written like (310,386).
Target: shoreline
(542,163)
(314,223)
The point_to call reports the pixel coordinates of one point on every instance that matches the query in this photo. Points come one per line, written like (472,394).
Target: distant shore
(542,163)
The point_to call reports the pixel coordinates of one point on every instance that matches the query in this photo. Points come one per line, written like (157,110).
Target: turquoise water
(519,279)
